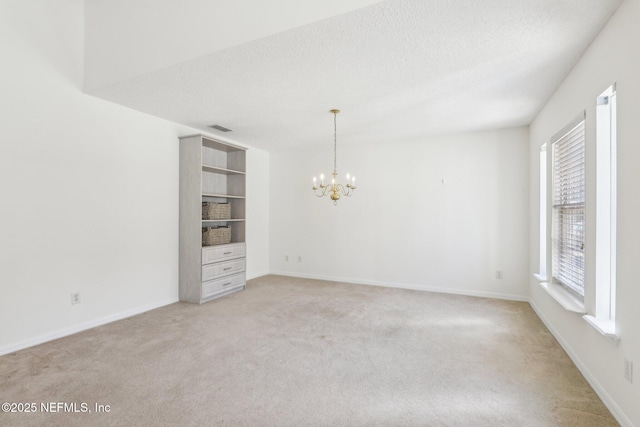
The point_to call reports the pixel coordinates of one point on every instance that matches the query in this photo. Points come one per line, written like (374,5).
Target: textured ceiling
(153,34)
(399,70)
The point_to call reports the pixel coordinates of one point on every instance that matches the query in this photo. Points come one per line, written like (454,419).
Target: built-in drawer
(220,253)
(212,271)
(217,286)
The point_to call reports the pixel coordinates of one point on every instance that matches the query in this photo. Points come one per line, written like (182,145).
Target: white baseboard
(591,379)
(256,275)
(467,292)
(83,327)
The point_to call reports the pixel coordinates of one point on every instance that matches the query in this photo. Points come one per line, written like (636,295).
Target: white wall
(404,227)
(89,189)
(613,57)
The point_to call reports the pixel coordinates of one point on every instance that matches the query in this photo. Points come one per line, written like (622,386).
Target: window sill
(568,301)
(606,327)
(539,277)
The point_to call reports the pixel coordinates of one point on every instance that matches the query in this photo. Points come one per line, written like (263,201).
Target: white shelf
(219,145)
(223,220)
(222,196)
(214,169)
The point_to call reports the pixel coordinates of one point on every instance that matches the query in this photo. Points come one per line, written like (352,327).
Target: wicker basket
(216,210)
(216,235)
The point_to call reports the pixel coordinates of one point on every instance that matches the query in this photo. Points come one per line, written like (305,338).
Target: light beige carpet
(295,352)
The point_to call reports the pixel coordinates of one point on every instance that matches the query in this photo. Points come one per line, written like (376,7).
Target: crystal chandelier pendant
(334,190)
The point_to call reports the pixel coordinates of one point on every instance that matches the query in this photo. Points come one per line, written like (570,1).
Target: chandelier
(334,190)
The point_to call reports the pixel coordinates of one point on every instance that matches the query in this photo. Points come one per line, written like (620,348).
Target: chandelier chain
(335,142)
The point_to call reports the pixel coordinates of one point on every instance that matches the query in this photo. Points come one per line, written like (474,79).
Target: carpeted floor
(296,352)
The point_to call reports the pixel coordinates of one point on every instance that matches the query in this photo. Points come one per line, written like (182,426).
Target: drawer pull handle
(226,284)
(228,268)
(228,253)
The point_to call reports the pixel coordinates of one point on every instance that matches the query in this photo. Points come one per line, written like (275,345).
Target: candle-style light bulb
(348,177)
(322,179)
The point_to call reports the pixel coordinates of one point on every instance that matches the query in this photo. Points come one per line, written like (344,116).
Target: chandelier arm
(323,191)
(346,191)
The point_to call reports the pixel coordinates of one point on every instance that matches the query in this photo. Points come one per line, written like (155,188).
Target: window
(568,205)
(606,204)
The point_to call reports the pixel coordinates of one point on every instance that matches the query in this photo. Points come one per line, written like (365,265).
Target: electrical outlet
(299,258)
(286,258)
(75,298)
(498,274)
(628,370)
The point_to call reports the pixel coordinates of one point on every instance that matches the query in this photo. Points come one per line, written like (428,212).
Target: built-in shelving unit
(211,171)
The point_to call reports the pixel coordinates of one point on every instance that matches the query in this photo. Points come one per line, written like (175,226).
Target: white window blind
(569,207)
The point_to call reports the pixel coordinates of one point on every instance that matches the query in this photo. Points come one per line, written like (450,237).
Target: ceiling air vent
(220,128)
